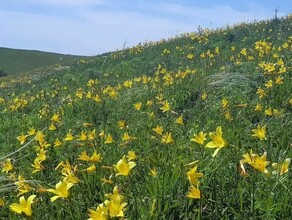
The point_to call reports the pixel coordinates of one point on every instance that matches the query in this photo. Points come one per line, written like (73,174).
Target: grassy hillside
(16,60)
(194,127)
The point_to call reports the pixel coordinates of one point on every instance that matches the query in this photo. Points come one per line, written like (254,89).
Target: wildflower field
(198,126)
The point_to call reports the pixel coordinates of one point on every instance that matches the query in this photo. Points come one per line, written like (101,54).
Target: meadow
(197,126)
(13,61)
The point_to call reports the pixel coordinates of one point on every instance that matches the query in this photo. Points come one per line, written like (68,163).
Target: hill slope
(16,60)
(194,127)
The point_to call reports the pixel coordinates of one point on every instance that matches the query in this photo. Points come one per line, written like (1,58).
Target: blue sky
(91,27)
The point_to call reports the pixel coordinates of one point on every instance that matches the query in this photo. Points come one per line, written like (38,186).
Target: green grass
(215,88)
(15,60)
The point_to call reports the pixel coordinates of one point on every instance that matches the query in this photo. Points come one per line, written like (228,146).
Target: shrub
(3,73)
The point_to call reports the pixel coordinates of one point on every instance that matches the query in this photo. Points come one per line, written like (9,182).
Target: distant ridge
(14,61)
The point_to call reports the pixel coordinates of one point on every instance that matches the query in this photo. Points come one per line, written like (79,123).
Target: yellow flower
(228,115)
(261,93)
(128,84)
(217,50)
(43,145)
(79,93)
(22,138)
(109,139)
(243,51)
(92,82)
(82,136)
(22,185)
(2,203)
(37,165)
(138,105)
(68,171)
(149,103)
(115,194)
(260,132)
(102,133)
(158,129)
(193,176)
(116,207)
(247,157)
(281,168)
(32,131)
(84,156)
(40,137)
(159,97)
(106,181)
(69,176)
(165,51)
(204,96)
(258,107)
(282,69)
(165,107)
(99,214)
(279,80)
(62,190)
(127,137)
(122,124)
(91,168)
(91,135)
(116,204)
(24,205)
(269,112)
(67,167)
(224,103)
(179,120)
(217,141)
(123,167)
(96,98)
(167,138)
(52,127)
(42,155)
(56,118)
(199,138)
(94,158)
(113,94)
(190,56)
(7,166)
(57,143)
(194,193)
(260,163)
(69,137)
(241,169)
(269,84)
(131,155)
(153,172)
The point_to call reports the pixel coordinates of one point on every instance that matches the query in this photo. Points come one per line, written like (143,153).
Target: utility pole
(276,13)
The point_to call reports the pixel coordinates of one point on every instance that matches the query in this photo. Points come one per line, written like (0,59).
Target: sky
(92,27)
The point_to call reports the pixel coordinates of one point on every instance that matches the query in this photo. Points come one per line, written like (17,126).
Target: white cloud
(217,16)
(97,31)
